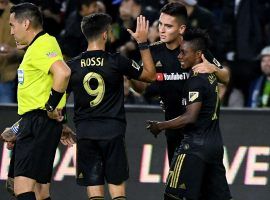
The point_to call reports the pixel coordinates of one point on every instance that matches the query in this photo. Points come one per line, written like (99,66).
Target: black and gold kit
(202,147)
(97,83)
(170,80)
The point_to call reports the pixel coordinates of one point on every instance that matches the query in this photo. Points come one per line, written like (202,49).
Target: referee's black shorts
(192,178)
(100,160)
(36,146)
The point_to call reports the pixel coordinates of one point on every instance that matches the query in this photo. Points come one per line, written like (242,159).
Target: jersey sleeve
(46,54)
(129,67)
(195,90)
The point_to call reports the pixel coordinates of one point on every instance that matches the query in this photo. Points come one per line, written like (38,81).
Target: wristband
(143,46)
(210,58)
(215,61)
(53,101)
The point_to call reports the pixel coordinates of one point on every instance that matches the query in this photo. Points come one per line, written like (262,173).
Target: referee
(42,80)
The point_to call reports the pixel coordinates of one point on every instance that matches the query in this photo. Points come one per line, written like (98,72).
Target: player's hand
(10,185)
(56,114)
(68,137)
(153,127)
(5,49)
(8,135)
(10,145)
(204,67)
(141,32)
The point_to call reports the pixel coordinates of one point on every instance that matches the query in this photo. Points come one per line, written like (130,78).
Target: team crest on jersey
(135,65)
(51,54)
(192,96)
(20,73)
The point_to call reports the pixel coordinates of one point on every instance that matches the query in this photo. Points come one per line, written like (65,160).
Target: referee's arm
(61,73)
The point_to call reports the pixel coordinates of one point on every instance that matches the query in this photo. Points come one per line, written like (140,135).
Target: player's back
(97,83)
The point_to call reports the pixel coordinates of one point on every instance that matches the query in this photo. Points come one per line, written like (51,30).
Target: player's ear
(26,24)
(199,54)
(182,29)
(105,35)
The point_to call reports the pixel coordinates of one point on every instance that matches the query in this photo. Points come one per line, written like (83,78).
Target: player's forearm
(138,86)
(223,75)
(149,70)
(176,123)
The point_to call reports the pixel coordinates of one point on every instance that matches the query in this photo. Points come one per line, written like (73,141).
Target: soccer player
(170,76)
(202,145)
(97,83)
(42,80)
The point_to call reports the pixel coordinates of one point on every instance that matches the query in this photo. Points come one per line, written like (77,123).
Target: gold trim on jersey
(156,43)
(175,174)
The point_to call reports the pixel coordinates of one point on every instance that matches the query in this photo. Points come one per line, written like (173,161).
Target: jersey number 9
(98,93)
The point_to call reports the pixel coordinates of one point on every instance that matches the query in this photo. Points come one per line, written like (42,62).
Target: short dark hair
(28,11)
(199,38)
(95,24)
(177,10)
(80,3)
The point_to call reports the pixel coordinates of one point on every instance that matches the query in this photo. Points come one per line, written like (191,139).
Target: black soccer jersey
(97,83)
(203,138)
(170,78)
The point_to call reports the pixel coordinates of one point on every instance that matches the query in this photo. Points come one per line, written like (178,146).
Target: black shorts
(192,178)
(174,138)
(100,160)
(36,146)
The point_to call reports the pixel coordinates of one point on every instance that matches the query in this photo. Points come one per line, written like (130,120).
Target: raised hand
(141,32)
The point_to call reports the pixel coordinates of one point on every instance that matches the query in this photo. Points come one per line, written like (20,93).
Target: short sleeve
(45,53)
(129,67)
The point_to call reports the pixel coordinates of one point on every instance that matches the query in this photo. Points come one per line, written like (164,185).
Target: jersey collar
(37,36)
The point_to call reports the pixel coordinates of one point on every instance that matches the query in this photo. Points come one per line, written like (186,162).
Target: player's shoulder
(157,45)
(73,61)
(118,57)
(203,78)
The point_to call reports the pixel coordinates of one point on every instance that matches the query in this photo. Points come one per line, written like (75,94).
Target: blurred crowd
(240,32)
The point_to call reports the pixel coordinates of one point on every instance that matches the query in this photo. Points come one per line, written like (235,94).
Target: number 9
(98,92)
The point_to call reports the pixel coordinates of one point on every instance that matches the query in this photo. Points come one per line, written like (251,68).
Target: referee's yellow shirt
(34,80)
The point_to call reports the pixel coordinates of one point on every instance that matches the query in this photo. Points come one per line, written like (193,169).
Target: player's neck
(174,44)
(95,45)
(31,35)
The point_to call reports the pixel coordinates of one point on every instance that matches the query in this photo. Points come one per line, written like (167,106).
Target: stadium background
(247,156)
